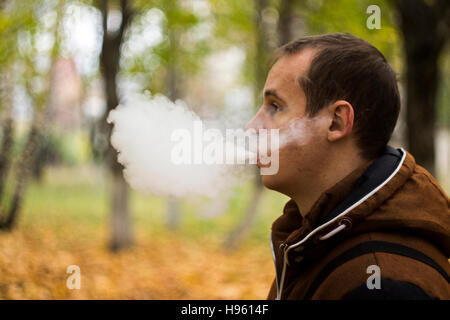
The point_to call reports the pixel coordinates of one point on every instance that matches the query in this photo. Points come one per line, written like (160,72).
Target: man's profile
(357,204)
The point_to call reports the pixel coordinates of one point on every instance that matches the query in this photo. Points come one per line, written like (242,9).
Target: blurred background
(63,200)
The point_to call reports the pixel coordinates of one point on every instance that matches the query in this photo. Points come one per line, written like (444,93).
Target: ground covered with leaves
(65,221)
(33,266)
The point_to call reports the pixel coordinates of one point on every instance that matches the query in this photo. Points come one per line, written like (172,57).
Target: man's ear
(342,120)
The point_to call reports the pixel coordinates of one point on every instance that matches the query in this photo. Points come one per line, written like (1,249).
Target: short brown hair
(349,68)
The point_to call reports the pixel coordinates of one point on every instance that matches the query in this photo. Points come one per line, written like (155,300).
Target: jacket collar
(343,197)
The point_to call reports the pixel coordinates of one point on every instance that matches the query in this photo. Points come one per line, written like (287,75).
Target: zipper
(284,248)
(344,224)
(275,264)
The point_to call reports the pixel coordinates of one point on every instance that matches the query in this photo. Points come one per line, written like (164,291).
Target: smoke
(143,135)
(301,130)
(156,143)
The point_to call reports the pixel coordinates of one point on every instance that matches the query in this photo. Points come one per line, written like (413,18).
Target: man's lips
(266,164)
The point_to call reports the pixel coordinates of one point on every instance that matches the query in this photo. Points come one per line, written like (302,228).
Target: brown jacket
(326,254)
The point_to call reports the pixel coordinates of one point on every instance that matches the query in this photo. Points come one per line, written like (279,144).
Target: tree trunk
(121,236)
(120,219)
(23,173)
(8,129)
(40,117)
(285,21)
(261,55)
(172,86)
(244,225)
(23,169)
(173,213)
(424,35)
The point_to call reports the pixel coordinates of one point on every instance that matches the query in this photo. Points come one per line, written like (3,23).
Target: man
(364,220)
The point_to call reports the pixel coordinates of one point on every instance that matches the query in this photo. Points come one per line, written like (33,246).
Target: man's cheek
(290,150)
(290,155)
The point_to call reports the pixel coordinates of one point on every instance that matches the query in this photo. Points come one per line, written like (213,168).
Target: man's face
(302,139)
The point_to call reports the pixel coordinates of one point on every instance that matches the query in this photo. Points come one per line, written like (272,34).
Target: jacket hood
(392,194)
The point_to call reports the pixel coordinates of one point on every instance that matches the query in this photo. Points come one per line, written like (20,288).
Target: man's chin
(271,182)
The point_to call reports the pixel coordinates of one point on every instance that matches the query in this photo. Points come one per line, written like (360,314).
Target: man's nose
(257,122)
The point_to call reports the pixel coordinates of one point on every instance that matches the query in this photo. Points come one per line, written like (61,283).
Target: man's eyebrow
(273,93)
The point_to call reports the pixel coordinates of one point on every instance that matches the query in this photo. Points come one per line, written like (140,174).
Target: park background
(63,200)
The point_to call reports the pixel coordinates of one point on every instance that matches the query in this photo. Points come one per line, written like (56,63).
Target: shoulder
(425,189)
(383,273)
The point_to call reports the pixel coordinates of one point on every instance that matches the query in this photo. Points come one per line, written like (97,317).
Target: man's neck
(327,177)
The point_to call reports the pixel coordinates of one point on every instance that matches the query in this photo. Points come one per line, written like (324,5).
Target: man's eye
(275,106)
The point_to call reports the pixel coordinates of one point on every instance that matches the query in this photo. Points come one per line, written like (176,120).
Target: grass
(80,198)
